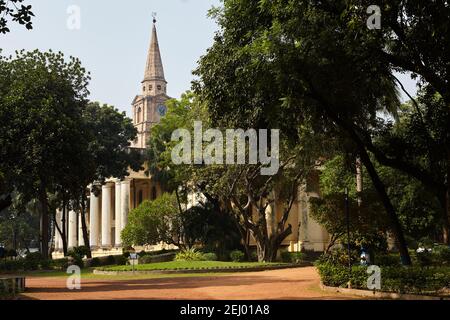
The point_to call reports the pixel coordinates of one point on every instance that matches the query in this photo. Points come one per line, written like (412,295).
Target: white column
(124,202)
(106,214)
(118,214)
(80,231)
(58,239)
(73,240)
(94,207)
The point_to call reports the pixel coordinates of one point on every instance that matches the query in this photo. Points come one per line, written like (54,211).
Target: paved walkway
(297,283)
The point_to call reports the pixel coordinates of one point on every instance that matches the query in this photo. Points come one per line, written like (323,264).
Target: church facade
(108,211)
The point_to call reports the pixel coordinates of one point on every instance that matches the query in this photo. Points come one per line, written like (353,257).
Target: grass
(186,265)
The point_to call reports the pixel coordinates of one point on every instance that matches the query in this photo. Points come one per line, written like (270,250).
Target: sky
(113,39)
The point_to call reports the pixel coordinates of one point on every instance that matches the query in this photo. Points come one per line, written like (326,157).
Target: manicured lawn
(174,265)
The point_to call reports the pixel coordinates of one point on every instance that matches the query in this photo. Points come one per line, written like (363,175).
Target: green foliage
(237,256)
(153,222)
(12,265)
(80,251)
(120,260)
(210,256)
(76,255)
(340,257)
(189,255)
(339,276)
(386,260)
(292,257)
(393,279)
(32,261)
(10,9)
(60,264)
(433,256)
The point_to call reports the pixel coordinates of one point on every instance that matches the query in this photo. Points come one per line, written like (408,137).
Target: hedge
(416,280)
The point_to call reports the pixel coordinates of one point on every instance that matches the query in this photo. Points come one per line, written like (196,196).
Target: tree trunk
(64,228)
(394,222)
(84,225)
(44,222)
(267,247)
(378,184)
(446,222)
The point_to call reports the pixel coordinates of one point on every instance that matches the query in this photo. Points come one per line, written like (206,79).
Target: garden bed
(381,294)
(196,267)
(395,280)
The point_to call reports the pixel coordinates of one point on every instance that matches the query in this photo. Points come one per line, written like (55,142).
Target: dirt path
(298,283)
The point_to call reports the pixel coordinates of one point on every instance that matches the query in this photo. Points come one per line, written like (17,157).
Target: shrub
(398,279)
(145,259)
(11,253)
(339,276)
(80,251)
(75,257)
(45,264)
(340,257)
(189,255)
(109,260)
(292,257)
(32,261)
(442,254)
(12,265)
(95,262)
(120,260)
(424,258)
(237,256)
(387,260)
(142,253)
(210,256)
(60,264)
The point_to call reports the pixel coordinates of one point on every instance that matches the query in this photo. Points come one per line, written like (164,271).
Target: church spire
(154,71)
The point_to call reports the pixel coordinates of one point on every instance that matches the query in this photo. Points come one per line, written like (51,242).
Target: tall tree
(292,62)
(41,98)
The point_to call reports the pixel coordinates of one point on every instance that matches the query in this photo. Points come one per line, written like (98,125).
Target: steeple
(154,82)
(149,107)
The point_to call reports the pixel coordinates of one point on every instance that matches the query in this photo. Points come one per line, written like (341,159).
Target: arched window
(154,193)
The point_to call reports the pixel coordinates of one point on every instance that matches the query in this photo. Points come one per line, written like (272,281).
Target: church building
(108,211)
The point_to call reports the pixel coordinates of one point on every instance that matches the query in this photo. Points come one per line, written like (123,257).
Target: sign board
(134,262)
(133,256)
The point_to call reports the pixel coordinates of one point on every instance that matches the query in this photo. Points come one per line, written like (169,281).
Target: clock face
(162,110)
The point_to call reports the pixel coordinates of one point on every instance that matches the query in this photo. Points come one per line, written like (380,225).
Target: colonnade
(108,215)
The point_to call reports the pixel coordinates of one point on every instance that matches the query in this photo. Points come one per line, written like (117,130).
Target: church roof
(154,69)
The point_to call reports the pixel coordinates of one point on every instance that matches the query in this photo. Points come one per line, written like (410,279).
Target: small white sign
(133,256)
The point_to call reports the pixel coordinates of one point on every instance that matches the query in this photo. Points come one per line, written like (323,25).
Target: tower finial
(154,17)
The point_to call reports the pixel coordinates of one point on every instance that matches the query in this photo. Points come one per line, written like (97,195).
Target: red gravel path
(298,283)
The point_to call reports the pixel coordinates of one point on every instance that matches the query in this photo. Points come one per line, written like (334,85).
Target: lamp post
(347,213)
